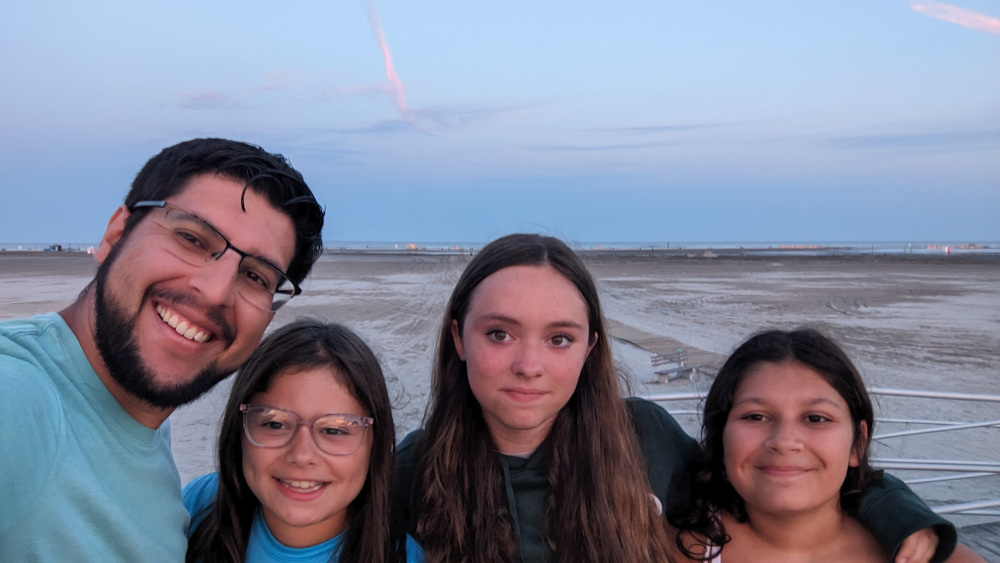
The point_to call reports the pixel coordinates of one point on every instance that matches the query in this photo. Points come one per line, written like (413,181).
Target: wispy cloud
(453,117)
(206,99)
(368,90)
(379,128)
(276,80)
(953,140)
(618,147)
(439,117)
(651,129)
(638,131)
(960,16)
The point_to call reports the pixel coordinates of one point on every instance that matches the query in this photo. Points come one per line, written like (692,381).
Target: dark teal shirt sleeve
(892,512)
(667,449)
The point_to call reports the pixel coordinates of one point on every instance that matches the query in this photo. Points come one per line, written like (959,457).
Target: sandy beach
(915,322)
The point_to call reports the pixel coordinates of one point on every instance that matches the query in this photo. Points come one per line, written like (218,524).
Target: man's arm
(893,513)
(667,449)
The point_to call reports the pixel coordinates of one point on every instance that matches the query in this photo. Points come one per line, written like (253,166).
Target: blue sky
(463,121)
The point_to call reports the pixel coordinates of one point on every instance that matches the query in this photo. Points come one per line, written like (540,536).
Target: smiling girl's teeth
(183,328)
(302,486)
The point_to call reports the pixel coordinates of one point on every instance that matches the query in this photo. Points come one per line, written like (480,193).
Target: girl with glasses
(305,457)
(529,451)
(783,461)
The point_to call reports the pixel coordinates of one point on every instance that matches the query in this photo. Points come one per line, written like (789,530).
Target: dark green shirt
(888,507)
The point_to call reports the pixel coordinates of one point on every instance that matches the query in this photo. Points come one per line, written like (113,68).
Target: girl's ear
(593,343)
(457,338)
(859,443)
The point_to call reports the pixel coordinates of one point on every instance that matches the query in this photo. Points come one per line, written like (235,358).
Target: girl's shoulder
(200,486)
(199,496)
(858,544)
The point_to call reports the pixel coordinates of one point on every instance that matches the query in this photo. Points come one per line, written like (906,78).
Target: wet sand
(915,322)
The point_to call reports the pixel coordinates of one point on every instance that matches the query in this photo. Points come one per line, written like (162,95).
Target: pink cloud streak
(395,85)
(960,16)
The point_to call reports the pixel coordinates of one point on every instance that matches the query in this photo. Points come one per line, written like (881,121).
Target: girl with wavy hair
(783,461)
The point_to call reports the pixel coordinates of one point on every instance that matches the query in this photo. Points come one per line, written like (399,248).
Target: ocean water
(757,247)
(925,247)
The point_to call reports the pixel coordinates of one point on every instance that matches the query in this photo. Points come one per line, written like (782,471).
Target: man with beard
(213,237)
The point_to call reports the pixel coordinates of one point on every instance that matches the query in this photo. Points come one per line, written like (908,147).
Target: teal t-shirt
(199,495)
(80,479)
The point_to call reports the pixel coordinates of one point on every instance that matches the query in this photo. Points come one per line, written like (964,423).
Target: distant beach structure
(87,247)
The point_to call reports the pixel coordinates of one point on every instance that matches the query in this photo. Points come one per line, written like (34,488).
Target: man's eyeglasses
(335,434)
(194,241)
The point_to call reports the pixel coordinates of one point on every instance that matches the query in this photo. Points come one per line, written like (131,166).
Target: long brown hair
(225,533)
(599,509)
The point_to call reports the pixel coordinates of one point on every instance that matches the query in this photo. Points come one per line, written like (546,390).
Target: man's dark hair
(269,175)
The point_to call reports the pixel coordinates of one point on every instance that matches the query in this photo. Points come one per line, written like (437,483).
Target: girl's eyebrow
(501,318)
(498,317)
(813,401)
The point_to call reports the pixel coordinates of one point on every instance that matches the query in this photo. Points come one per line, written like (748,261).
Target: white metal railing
(940,469)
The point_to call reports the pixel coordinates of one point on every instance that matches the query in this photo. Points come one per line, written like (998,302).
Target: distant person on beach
(213,237)
(305,458)
(531,453)
(783,461)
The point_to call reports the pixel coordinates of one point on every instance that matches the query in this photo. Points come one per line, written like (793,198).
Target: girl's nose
(528,362)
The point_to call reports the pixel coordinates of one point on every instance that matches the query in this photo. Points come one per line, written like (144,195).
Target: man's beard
(114,333)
